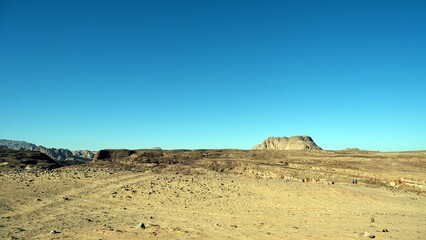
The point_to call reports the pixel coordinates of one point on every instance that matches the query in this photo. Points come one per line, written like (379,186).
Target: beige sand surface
(89,202)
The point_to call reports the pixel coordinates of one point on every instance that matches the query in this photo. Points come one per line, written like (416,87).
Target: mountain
(63,154)
(288,143)
(16,144)
(59,154)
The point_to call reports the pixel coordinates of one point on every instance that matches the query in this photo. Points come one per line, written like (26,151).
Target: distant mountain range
(59,154)
(16,145)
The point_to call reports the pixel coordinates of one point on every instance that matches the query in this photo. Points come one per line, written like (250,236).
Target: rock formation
(65,154)
(285,143)
(25,159)
(59,154)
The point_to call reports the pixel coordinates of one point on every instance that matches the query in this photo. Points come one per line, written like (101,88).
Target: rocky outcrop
(84,154)
(288,143)
(59,154)
(62,154)
(25,159)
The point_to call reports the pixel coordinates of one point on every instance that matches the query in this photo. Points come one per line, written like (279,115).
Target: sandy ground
(88,202)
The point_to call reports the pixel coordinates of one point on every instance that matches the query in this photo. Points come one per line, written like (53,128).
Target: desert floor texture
(283,196)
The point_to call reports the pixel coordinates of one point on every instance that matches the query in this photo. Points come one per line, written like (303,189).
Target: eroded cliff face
(288,143)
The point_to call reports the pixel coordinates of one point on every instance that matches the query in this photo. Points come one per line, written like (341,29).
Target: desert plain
(219,194)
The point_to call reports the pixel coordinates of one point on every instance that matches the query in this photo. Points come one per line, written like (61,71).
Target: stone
(141,226)
(368,235)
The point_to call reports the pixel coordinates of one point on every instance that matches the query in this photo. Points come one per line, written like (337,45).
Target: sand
(101,202)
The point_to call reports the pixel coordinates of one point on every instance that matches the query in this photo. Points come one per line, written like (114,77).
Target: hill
(288,143)
(25,159)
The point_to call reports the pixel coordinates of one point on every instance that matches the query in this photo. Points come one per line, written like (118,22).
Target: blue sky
(213,74)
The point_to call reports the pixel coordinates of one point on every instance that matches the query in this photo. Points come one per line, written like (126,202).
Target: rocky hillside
(288,143)
(59,154)
(65,154)
(25,159)
(16,145)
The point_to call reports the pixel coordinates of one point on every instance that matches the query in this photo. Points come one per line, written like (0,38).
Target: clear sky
(213,74)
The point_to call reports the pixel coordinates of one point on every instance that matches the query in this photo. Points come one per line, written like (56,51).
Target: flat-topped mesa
(288,143)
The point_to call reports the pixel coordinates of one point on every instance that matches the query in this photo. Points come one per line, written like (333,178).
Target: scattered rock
(54,232)
(385,230)
(141,225)
(372,220)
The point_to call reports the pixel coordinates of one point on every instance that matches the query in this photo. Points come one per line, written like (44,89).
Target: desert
(197,119)
(218,194)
